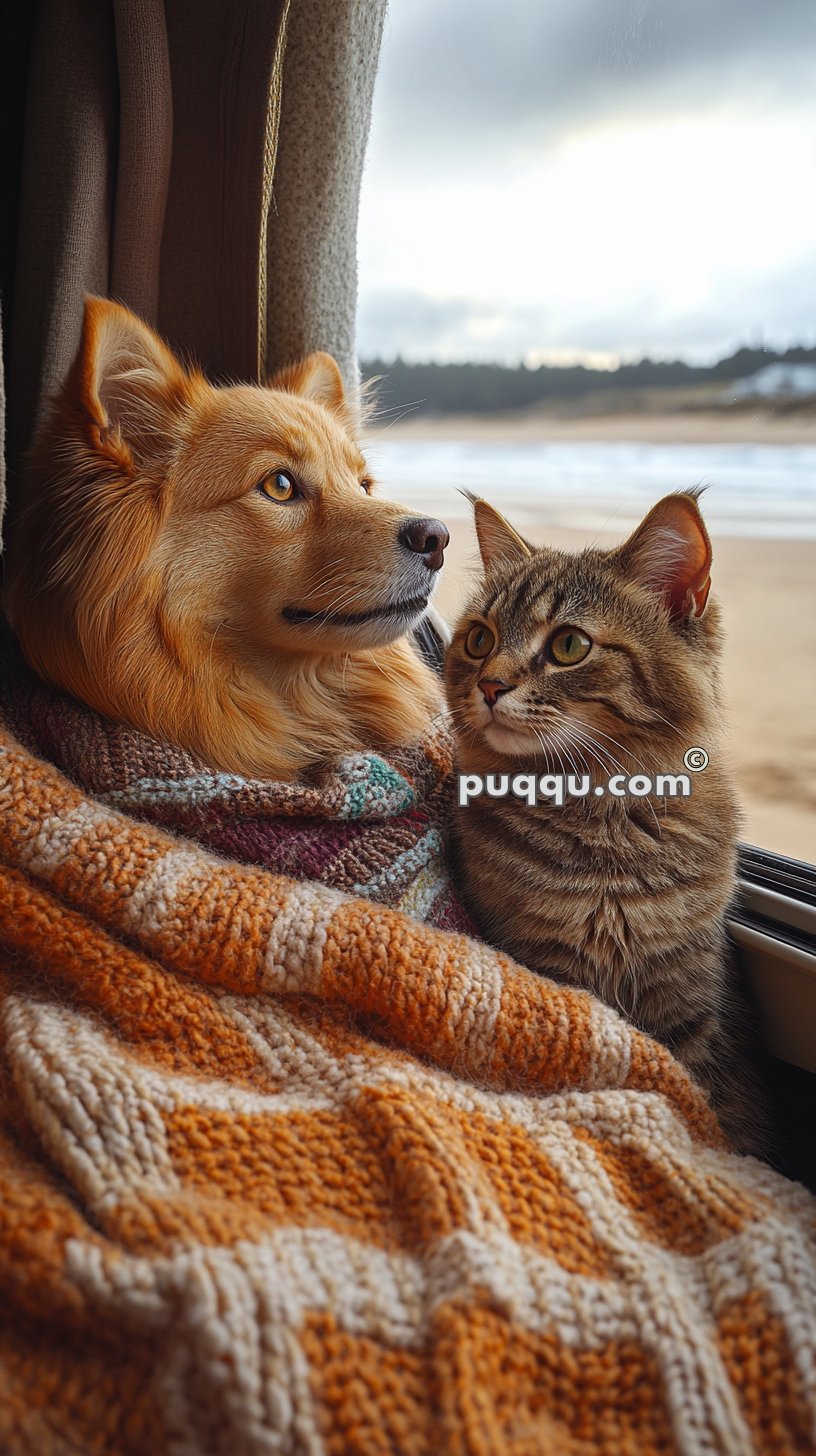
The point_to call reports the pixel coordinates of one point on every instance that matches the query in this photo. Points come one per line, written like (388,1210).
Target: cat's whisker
(462,712)
(610,757)
(560,748)
(579,754)
(463,719)
(590,750)
(635,763)
(591,728)
(609,764)
(559,744)
(581,734)
(621,769)
(563,744)
(671,726)
(544,747)
(566,752)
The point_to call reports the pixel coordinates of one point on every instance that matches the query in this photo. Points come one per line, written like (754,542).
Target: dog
(209,564)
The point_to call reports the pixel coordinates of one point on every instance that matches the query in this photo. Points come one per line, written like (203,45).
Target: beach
(704,427)
(765,582)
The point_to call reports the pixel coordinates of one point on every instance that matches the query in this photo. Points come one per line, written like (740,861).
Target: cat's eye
(569,645)
(277,486)
(480,641)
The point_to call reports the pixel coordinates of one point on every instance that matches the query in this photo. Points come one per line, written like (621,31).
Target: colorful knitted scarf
(283,1169)
(375,827)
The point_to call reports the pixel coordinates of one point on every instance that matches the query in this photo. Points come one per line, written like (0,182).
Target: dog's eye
(277,486)
(365,485)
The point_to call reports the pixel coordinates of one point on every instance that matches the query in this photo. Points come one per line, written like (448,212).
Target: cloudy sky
(590,179)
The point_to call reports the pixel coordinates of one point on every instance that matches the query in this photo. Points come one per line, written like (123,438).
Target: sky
(590,180)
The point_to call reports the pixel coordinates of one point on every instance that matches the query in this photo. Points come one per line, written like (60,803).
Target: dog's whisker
(181,619)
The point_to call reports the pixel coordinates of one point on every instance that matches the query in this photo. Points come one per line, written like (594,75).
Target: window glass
(588,273)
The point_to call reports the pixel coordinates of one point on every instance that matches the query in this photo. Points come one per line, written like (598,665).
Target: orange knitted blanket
(286,1171)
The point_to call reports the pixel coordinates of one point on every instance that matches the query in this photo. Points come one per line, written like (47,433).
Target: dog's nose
(492,688)
(427,538)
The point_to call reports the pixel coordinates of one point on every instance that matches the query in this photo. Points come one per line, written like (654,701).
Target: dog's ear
(127,383)
(317,377)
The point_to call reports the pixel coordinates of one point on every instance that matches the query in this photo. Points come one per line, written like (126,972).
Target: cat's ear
(670,553)
(317,377)
(127,383)
(499,544)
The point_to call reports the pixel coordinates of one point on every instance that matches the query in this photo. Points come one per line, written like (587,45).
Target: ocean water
(752,490)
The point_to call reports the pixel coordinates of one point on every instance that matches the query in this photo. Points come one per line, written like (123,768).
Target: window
(622,194)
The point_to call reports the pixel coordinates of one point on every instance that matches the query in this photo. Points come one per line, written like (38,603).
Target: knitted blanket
(285,1170)
(375,827)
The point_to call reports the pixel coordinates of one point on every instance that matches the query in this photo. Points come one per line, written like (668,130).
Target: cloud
(463,77)
(418,327)
(614,176)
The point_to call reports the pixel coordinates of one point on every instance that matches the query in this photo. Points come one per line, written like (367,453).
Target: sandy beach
(680,427)
(767,589)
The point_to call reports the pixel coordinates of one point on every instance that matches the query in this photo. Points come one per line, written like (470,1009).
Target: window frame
(773,924)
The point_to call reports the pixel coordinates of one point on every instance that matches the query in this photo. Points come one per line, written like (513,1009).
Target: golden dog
(209,564)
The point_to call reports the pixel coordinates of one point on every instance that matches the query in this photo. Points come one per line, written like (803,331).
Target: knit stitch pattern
(372,826)
(286,1170)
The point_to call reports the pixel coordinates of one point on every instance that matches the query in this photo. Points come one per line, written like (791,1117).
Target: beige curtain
(201,161)
(328,80)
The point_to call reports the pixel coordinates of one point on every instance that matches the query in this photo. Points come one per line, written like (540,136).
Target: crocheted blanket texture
(373,827)
(284,1169)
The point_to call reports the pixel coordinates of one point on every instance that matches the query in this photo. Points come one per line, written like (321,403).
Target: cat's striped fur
(624,896)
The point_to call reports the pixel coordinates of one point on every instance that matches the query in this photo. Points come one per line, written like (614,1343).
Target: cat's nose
(427,538)
(492,688)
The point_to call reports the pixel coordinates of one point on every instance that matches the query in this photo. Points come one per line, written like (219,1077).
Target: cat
(599,663)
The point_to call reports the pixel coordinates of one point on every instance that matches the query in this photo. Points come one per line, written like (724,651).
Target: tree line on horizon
(476,388)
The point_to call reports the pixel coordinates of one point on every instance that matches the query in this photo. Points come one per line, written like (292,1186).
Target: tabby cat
(592,664)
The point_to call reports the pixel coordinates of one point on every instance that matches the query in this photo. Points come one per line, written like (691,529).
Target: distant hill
(486,388)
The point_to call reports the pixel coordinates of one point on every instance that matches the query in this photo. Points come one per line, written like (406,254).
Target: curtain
(328,81)
(200,160)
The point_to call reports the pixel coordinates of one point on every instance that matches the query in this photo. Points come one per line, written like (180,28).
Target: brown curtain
(199,160)
(2,447)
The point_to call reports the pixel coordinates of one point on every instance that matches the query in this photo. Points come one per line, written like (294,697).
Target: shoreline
(764,581)
(681,427)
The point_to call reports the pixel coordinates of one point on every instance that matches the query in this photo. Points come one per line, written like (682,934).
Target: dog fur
(151,577)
